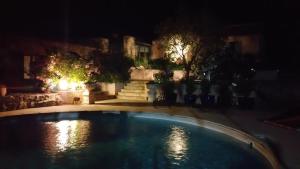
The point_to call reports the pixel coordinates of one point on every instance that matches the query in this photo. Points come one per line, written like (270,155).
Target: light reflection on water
(113,141)
(67,134)
(177,143)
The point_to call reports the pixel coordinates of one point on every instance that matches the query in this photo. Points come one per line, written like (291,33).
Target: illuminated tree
(182,42)
(65,70)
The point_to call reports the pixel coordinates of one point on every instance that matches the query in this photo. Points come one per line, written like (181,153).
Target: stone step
(143,98)
(133,90)
(139,82)
(136,84)
(131,94)
(135,87)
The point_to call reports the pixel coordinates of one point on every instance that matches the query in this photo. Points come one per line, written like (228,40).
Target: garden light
(63,84)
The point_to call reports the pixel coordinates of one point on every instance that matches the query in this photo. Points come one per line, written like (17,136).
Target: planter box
(148,74)
(143,74)
(3,90)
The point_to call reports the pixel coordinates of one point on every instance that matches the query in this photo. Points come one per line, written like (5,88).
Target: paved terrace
(285,143)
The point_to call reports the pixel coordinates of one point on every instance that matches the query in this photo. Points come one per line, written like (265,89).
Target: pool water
(117,141)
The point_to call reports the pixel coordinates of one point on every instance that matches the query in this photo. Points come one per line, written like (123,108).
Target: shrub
(163,77)
(68,66)
(164,64)
(112,68)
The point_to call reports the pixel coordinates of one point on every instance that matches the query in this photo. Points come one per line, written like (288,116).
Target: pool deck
(287,142)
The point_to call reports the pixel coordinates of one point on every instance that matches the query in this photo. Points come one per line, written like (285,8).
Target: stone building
(18,53)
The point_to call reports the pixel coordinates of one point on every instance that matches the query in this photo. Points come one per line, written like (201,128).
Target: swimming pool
(118,140)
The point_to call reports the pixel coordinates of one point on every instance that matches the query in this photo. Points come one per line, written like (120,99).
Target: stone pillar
(104,45)
(129,47)
(156,50)
(26,67)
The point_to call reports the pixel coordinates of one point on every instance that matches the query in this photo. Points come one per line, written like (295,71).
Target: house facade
(17,54)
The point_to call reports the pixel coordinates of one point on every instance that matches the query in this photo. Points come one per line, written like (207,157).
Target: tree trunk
(187,73)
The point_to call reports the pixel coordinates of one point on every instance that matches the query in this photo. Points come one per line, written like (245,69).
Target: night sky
(87,18)
(66,19)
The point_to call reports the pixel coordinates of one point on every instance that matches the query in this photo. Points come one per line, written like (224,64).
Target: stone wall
(129,47)
(28,100)
(143,74)
(104,45)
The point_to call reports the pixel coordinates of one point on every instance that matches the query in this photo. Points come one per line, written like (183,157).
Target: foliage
(164,63)
(163,77)
(59,65)
(205,86)
(190,85)
(204,65)
(243,79)
(141,62)
(161,63)
(112,68)
(181,41)
(228,68)
(168,91)
(167,88)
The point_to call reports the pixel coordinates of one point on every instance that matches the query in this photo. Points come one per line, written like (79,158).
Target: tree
(185,41)
(229,70)
(64,70)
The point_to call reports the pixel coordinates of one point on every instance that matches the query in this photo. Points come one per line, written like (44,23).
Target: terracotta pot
(3,90)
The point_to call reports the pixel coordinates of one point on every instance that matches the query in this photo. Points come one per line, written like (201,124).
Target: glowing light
(86,92)
(63,84)
(177,50)
(71,134)
(177,143)
(73,86)
(65,134)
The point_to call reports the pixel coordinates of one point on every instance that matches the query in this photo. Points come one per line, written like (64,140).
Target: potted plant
(3,90)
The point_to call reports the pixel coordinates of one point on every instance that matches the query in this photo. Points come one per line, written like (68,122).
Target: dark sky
(86,18)
(69,19)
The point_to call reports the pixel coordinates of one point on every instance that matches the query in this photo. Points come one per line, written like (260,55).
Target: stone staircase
(134,90)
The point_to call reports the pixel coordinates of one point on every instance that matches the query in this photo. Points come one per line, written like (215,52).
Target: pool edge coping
(235,133)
